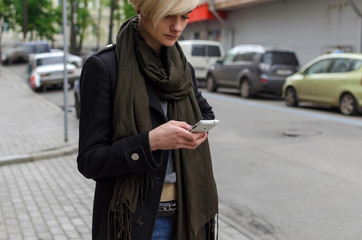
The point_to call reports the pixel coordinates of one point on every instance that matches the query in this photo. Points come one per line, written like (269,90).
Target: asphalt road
(288,173)
(54,95)
(284,173)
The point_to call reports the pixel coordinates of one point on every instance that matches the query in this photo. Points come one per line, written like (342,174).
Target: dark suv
(20,52)
(253,69)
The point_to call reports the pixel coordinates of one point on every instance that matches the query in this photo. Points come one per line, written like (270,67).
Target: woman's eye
(182,16)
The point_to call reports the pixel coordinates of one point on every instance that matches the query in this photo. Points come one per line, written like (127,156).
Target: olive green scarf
(197,195)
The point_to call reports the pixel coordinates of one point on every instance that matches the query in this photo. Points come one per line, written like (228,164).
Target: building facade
(309,27)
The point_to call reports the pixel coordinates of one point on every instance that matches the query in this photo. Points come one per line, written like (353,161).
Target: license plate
(284,71)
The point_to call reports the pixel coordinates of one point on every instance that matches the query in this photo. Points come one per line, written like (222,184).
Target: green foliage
(82,19)
(44,21)
(2,8)
(128,10)
(7,11)
(39,16)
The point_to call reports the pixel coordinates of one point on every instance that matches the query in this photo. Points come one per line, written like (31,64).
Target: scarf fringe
(123,204)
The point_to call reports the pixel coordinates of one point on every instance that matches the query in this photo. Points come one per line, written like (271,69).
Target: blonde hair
(158,9)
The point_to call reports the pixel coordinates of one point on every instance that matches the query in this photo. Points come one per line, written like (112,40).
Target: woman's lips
(172,37)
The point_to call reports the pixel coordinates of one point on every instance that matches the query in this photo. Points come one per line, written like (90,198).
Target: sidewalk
(42,195)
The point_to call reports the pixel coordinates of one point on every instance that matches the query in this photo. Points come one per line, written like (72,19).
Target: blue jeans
(165,228)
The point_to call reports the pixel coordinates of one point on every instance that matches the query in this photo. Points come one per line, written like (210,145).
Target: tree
(80,19)
(34,16)
(128,10)
(7,15)
(2,13)
(97,25)
(25,18)
(112,9)
(73,33)
(84,20)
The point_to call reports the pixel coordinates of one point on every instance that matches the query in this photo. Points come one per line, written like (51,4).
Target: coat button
(135,156)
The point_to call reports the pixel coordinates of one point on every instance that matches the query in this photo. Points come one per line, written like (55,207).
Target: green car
(332,79)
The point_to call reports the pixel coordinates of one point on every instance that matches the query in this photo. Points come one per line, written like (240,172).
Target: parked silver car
(20,52)
(253,69)
(73,59)
(47,69)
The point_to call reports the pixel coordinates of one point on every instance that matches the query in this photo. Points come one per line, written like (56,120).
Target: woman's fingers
(175,135)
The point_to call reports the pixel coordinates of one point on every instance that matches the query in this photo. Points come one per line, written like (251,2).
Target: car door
(222,70)
(308,87)
(330,86)
(237,65)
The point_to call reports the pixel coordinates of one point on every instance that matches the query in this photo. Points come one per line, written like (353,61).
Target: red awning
(202,13)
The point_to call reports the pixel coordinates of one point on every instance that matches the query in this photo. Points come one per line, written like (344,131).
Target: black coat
(102,159)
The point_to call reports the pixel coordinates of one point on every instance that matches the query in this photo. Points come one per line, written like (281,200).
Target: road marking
(283,109)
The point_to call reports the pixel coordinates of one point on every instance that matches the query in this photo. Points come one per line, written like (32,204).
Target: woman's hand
(175,135)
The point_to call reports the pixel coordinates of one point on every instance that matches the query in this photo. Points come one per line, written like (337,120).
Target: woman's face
(166,32)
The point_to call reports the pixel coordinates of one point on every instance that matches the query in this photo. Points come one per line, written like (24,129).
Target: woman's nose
(177,24)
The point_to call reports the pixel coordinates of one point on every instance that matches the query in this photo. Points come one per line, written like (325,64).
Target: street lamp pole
(65,82)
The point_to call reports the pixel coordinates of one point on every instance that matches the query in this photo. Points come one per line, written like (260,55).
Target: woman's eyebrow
(189,12)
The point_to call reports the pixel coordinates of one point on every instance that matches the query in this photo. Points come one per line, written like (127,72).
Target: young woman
(139,98)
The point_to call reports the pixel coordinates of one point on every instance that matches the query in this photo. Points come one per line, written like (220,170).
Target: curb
(36,156)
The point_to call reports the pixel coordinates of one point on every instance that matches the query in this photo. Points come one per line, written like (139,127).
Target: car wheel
(36,89)
(245,89)
(291,98)
(348,105)
(210,84)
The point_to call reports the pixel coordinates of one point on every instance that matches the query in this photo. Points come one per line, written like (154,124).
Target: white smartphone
(204,125)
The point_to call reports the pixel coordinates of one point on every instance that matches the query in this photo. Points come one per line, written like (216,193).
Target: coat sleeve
(206,109)
(98,155)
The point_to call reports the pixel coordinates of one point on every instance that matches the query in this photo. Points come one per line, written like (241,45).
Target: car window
(213,51)
(205,50)
(198,50)
(239,57)
(319,67)
(356,64)
(27,48)
(229,58)
(249,56)
(40,48)
(49,61)
(282,58)
(340,65)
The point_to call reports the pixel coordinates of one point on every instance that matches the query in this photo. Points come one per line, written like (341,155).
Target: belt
(166,209)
